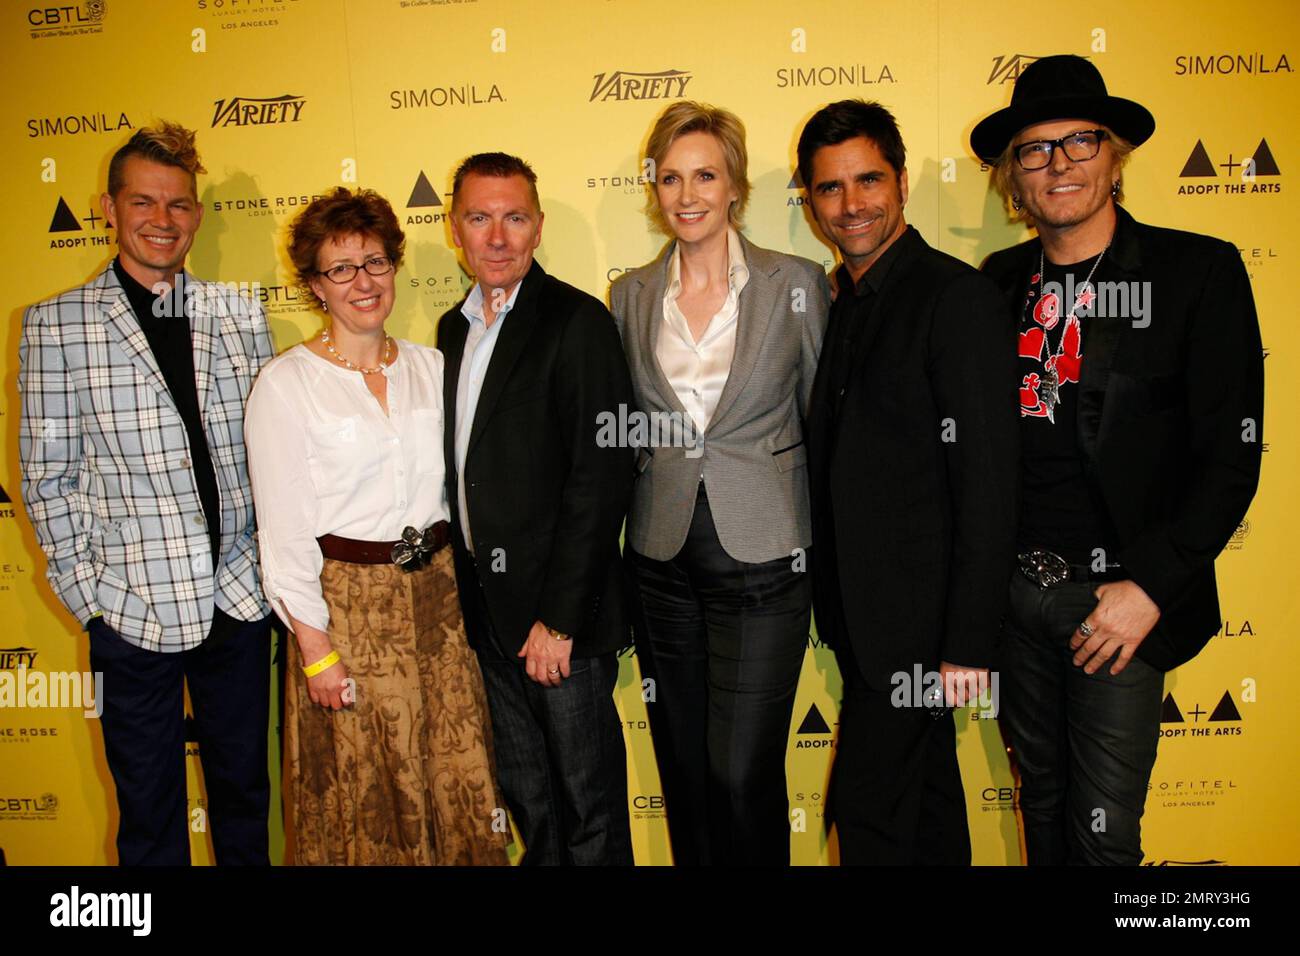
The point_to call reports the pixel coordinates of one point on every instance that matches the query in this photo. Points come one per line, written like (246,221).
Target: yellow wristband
(325,663)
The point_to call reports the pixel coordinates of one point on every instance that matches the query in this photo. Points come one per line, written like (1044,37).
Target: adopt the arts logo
(257,111)
(814,733)
(6,504)
(69,230)
(624,85)
(1222,719)
(1244,172)
(425,206)
(66,20)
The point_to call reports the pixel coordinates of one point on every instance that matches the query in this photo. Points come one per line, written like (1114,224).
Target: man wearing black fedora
(1141,404)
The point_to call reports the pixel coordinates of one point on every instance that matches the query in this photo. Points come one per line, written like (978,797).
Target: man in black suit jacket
(536,508)
(912,445)
(1141,408)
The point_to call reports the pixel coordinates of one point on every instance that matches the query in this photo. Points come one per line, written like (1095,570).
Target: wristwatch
(554,633)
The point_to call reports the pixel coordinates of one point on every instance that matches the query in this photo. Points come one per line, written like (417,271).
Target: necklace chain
(343,360)
(1086,284)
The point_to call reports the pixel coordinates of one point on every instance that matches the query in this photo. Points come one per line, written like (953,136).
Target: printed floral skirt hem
(405,776)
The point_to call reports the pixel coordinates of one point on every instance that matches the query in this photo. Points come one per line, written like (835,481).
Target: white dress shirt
(325,459)
(480,342)
(697,371)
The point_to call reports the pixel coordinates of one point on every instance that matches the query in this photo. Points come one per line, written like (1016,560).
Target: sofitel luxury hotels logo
(252,111)
(627,85)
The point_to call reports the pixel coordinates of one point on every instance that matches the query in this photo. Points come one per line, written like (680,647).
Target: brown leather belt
(413,550)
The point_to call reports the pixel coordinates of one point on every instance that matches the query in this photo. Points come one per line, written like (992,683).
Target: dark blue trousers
(229,677)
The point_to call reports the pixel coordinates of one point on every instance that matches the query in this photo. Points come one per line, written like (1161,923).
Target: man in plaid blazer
(134,475)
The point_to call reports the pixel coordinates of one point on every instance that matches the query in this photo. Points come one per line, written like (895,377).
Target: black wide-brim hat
(1060,87)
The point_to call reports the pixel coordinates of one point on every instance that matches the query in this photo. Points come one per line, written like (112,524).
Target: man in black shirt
(1141,403)
(912,449)
(134,476)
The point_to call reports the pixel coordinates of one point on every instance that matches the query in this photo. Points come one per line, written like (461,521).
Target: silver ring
(1086,629)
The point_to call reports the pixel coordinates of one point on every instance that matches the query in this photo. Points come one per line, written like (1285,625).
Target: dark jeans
(723,641)
(229,677)
(896,797)
(560,757)
(1085,743)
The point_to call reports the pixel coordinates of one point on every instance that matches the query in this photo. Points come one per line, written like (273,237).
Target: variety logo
(254,111)
(853,75)
(1230,64)
(12,658)
(68,20)
(76,124)
(1242,173)
(1007,68)
(627,85)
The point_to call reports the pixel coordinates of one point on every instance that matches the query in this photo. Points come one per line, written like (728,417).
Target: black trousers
(723,641)
(229,677)
(896,797)
(560,757)
(1084,743)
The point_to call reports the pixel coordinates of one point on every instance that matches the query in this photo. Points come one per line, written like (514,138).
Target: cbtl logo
(1008,68)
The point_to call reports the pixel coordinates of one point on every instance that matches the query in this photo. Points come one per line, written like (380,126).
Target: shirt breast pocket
(426,433)
(340,458)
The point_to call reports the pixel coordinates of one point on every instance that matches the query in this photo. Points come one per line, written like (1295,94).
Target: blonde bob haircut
(1004,182)
(688,116)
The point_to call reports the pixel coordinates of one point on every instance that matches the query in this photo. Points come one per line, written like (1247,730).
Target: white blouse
(324,459)
(697,371)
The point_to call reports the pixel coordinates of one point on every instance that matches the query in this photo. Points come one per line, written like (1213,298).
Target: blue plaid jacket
(106,468)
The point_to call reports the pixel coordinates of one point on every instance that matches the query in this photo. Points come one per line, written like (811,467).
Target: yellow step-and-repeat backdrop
(291,97)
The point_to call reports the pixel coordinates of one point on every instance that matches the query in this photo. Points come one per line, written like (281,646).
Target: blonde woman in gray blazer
(722,339)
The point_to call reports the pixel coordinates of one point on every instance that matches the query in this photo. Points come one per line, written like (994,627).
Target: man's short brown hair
(169,144)
(498,165)
(335,215)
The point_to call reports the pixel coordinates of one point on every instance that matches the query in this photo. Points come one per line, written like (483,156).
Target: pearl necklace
(383,364)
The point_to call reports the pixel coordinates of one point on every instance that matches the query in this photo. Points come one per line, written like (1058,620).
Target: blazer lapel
(122,324)
(204,336)
(513,338)
(1102,338)
(650,302)
(758,302)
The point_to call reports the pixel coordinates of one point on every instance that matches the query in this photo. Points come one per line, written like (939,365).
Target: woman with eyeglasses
(388,750)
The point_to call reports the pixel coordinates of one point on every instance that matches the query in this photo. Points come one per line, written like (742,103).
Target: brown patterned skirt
(405,776)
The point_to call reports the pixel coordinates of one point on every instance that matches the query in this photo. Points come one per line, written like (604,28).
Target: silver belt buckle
(1044,568)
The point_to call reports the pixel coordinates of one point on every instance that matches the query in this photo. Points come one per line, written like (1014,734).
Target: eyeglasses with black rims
(346,271)
(1079,146)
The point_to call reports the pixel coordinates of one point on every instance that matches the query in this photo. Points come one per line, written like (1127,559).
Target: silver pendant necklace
(1049,387)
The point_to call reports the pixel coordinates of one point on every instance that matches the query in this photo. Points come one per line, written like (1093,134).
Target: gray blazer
(753,461)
